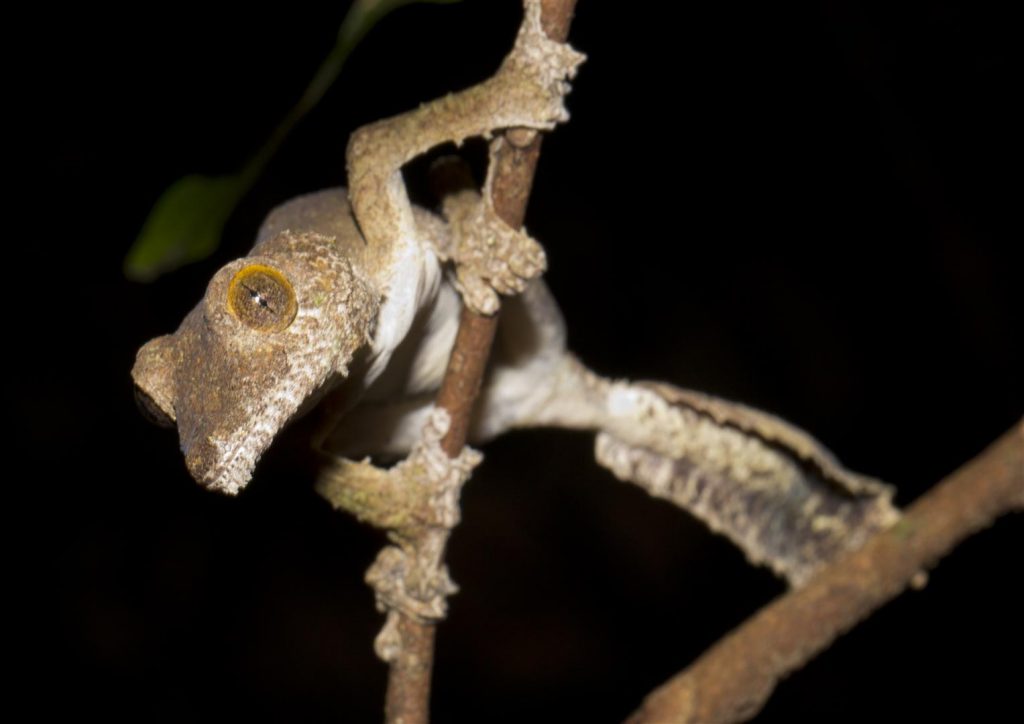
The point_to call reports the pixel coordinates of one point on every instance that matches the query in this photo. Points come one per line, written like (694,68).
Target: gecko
(348,303)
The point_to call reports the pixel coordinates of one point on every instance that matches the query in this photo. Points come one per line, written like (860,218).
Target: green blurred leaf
(364,14)
(186,222)
(184,225)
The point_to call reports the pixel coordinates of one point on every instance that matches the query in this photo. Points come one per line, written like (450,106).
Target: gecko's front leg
(417,503)
(527,91)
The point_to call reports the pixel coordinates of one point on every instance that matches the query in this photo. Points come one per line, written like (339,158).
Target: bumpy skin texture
(375,321)
(231,388)
(770,488)
(527,91)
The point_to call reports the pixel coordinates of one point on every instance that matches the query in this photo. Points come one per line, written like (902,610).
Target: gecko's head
(272,329)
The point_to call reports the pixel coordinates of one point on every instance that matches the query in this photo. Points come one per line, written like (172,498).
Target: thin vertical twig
(408,694)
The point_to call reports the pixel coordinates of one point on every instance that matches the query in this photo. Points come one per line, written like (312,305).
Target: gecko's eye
(262,298)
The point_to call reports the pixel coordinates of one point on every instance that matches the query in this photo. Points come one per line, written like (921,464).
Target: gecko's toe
(477,294)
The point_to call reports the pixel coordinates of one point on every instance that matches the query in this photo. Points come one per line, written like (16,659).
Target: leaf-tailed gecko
(350,300)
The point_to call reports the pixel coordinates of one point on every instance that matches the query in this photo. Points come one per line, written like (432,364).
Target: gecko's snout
(154,385)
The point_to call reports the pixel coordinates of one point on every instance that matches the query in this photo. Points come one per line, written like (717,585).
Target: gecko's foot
(420,492)
(535,74)
(429,467)
(412,582)
(490,257)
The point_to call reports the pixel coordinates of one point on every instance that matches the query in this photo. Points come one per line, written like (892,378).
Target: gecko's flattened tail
(783,506)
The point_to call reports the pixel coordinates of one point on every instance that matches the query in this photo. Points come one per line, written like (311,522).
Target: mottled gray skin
(377,315)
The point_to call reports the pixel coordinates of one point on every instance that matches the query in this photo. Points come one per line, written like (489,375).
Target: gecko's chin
(217,471)
(226,484)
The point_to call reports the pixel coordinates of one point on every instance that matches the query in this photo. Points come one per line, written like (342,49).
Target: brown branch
(733,680)
(408,694)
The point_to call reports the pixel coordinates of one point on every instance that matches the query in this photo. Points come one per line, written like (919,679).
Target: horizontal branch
(734,678)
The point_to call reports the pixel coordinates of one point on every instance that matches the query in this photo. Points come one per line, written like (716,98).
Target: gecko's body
(392,382)
(350,300)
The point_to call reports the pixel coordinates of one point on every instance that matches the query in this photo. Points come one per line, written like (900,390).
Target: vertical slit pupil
(262,298)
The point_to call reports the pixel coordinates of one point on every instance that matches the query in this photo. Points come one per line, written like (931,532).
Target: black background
(806,208)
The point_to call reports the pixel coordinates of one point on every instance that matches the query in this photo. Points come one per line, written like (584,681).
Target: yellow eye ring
(262,298)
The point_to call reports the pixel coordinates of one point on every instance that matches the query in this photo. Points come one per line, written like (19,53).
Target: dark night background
(806,208)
